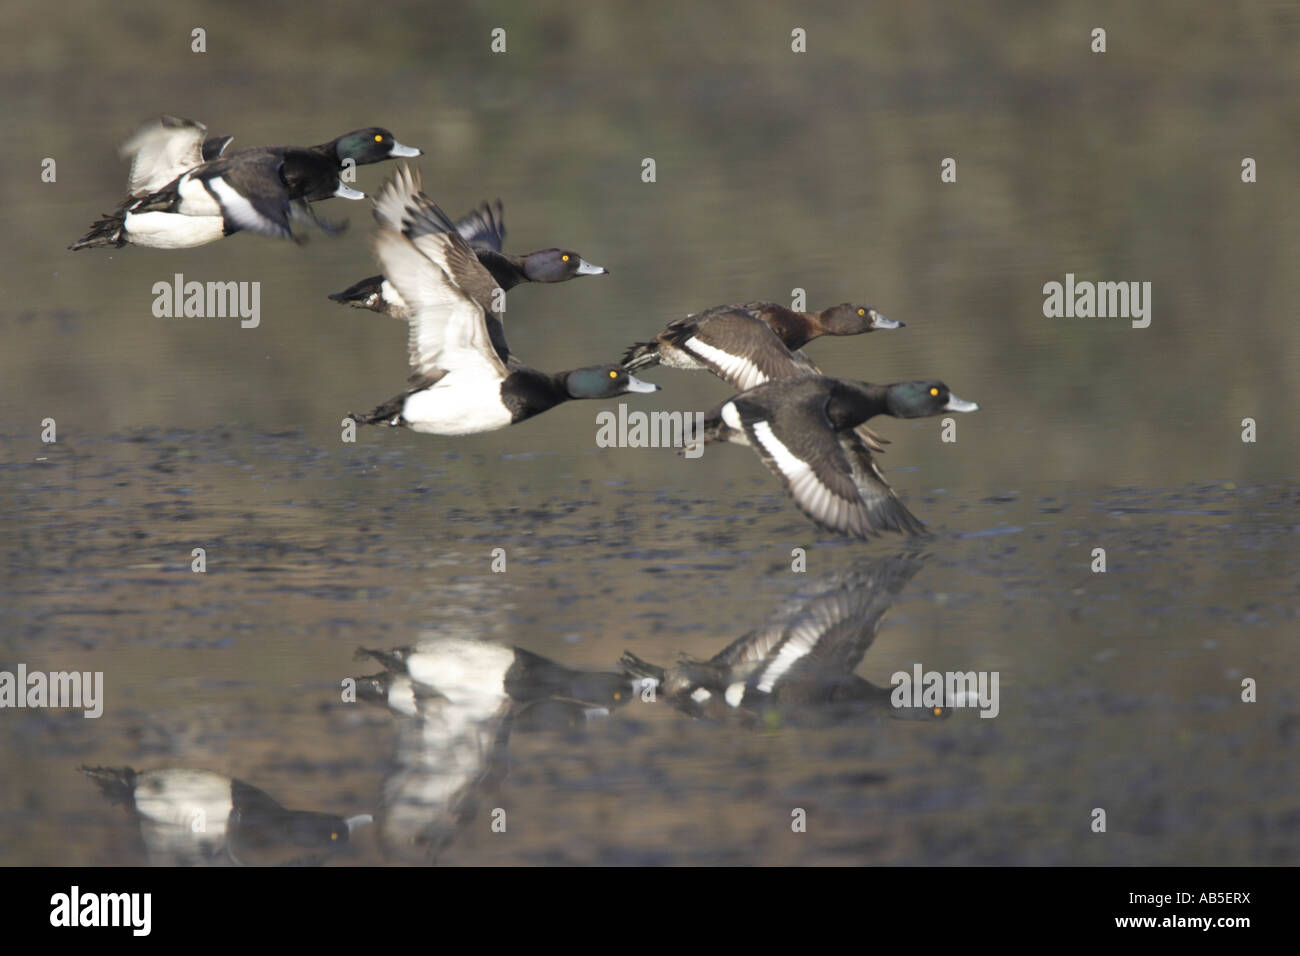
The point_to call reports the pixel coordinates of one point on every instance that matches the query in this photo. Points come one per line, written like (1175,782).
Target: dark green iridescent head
(604,381)
(919,399)
(371,145)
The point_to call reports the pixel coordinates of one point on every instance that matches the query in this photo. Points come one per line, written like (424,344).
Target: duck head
(920,399)
(558,265)
(851,318)
(371,145)
(604,381)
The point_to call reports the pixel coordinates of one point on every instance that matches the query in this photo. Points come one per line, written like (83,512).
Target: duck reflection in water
(799,666)
(199,818)
(457,701)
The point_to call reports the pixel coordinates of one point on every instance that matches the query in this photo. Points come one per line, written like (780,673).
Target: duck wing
(798,444)
(885,511)
(484,228)
(160,150)
(737,347)
(257,189)
(440,278)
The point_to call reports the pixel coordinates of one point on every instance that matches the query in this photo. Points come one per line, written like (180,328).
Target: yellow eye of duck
(379,137)
(934,392)
(334,836)
(938,711)
(862,311)
(613,374)
(564,258)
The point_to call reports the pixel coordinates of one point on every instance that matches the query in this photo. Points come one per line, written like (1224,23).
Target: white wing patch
(397,306)
(195,199)
(800,643)
(160,152)
(806,486)
(241,212)
(736,369)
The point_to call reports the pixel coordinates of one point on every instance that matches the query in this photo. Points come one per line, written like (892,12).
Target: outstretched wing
(485,227)
(160,150)
(799,446)
(439,277)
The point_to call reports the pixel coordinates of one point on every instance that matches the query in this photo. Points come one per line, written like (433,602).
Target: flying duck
(484,229)
(804,430)
(185,190)
(751,343)
(464,377)
(253,192)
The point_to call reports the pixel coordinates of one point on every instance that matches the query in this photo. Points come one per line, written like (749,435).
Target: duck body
(467,402)
(806,430)
(484,230)
(464,378)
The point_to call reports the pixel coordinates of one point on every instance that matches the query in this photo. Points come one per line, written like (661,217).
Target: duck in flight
(805,430)
(748,344)
(464,377)
(484,229)
(187,190)
(753,342)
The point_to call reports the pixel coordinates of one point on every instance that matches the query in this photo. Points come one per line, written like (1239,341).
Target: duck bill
(881,322)
(347,192)
(585,268)
(956,404)
(634,384)
(404,152)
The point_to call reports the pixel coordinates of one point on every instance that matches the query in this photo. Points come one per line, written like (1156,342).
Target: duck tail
(117,783)
(109,230)
(641,355)
(389,413)
(366,294)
